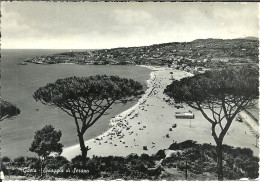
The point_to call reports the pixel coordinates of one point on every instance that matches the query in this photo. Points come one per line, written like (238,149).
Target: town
(195,57)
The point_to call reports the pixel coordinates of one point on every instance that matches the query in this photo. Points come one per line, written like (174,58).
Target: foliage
(8,110)
(130,167)
(14,171)
(6,159)
(145,157)
(238,163)
(55,162)
(215,87)
(19,161)
(77,161)
(94,88)
(201,159)
(56,166)
(46,141)
(182,145)
(160,154)
(86,99)
(32,162)
(224,93)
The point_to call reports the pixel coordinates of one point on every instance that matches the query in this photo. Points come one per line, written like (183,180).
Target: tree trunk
(220,161)
(42,161)
(186,170)
(41,171)
(83,149)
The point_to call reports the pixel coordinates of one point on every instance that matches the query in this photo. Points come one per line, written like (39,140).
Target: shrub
(183,145)
(77,159)
(19,161)
(160,155)
(132,156)
(55,162)
(6,159)
(238,163)
(30,161)
(145,157)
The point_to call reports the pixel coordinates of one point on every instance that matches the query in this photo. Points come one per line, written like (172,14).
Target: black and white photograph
(129,91)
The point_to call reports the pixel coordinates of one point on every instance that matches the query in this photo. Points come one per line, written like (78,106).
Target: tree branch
(91,123)
(76,121)
(204,114)
(213,132)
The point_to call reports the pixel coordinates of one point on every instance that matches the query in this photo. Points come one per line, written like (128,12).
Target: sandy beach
(147,126)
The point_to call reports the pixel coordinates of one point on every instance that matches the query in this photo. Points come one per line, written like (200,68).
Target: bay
(19,82)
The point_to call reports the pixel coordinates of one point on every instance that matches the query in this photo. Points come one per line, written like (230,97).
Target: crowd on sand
(150,125)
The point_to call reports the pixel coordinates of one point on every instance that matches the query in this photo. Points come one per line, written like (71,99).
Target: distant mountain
(208,39)
(214,39)
(250,38)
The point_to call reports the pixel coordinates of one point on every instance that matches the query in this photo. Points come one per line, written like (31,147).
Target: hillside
(251,38)
(200,52)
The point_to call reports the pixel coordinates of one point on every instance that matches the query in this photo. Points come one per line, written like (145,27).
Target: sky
(89,25)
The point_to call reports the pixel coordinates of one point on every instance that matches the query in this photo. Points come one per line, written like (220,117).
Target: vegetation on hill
(199,160)
(202,160)
(203,52)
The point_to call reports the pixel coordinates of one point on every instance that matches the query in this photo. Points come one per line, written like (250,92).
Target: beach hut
(184,115)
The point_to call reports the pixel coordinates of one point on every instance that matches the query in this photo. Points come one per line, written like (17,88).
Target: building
(184,115)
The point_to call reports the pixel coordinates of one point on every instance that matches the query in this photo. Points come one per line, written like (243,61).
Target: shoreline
(126,115)
(113,120)
(146,127)
(35,115)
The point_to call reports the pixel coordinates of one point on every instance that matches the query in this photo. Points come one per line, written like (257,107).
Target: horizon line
(125,47)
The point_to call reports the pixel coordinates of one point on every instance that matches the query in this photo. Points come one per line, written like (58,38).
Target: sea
(19,82)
